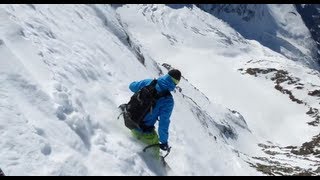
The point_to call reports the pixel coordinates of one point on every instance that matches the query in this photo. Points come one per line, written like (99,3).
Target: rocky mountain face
(310,13)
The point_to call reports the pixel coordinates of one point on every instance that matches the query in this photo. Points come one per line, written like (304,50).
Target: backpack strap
(164,94)
(154,83)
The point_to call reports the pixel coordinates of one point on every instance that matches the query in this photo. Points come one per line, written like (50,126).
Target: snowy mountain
(277,26)
(243,107)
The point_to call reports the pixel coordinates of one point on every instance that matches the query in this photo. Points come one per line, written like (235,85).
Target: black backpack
(140,104)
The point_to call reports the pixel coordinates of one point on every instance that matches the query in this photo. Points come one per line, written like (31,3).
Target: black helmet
(175,73)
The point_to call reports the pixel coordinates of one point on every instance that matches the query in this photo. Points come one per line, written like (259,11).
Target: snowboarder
(161,112)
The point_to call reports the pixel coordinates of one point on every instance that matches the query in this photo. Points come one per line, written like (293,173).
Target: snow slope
(212,54)
(211,59)
(64,70)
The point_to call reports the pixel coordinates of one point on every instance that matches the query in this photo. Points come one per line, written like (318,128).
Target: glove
(164,146)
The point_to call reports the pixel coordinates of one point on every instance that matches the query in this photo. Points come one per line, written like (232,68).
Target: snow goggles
(175,81)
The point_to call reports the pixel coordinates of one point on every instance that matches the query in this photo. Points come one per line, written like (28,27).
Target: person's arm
(137,85)
(164,122)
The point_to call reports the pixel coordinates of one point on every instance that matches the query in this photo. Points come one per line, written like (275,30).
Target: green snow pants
(148,139)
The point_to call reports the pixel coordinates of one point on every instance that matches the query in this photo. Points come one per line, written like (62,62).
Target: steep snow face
(215,58)
(64,70)
(59,90)
(279,27)
(209,53)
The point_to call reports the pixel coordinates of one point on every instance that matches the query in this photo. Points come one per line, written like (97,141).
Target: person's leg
(136,133)
(152,138)
(149,139)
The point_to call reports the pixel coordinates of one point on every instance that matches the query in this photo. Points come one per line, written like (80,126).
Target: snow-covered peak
(276,26)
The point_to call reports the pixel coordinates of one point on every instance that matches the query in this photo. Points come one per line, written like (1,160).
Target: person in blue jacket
(161,111)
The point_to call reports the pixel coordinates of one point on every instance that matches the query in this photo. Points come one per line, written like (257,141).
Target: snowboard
(158,166)
(1,173)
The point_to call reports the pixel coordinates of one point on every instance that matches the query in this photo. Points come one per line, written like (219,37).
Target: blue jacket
(163,107)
